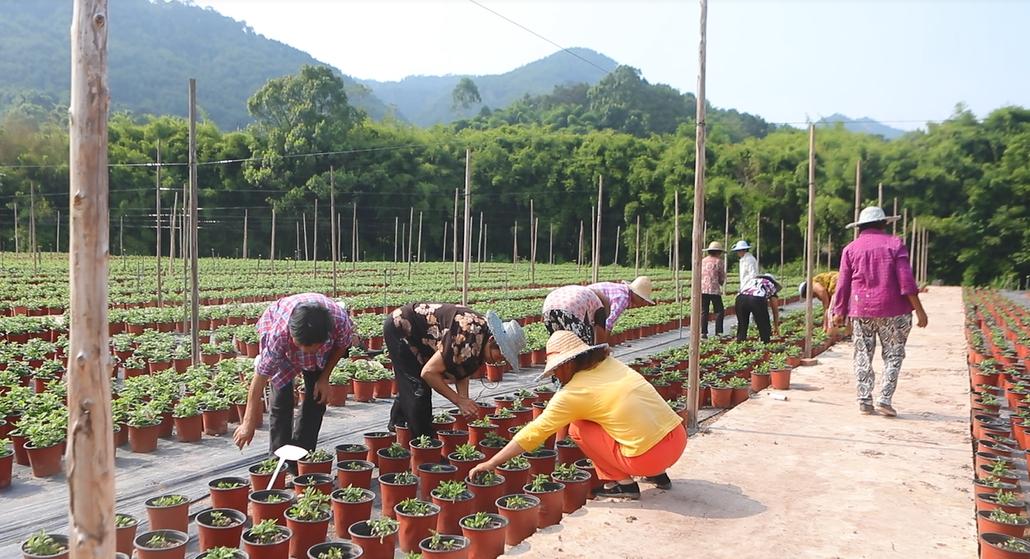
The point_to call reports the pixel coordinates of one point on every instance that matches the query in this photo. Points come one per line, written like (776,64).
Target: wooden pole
(411,233)
(304,226)
(443,254)
(396,239)
(597,236)
(333,242)
(809,234)
(858,194)
(157,221)
(355,252)
(818,251)
(90,454)
(296,251)
(515,247)
(418,250)
(636,259)
(246,227)
(781,247)
(314,238)
(468,227)
(579,255)
(486,232)
(550,243)
(694,372)
(271,250)
(618,241)
(532,245)
(454,239)
(17,243)
(894,224)
(829,250)
(904,223)
(482,232)
(404,229)
(57,238)
(926,256)
(726,238)
(194,201)
(758,238)
(173,219)
(33,246)
(879,195)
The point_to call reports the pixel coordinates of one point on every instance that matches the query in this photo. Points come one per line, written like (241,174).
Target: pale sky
(899,62)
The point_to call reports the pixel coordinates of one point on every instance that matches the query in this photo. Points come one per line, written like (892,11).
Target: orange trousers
(609,462)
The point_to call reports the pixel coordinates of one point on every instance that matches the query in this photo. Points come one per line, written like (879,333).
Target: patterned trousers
(561,319)
(893,332)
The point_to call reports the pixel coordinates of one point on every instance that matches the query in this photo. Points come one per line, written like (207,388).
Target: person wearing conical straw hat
(713,277)
(616,417)
(877,291)
(577,309)
(433,345)
(619,296)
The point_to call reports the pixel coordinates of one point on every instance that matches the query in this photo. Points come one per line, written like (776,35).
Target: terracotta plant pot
(576,491)
(392,493)
(990,547)
(568,452)
(460,421)
(364,390)
(552,502)
(124,536)
(144,439)
(188,429)
(722,397)
(457,548)
(167,425)
(780,379)
(260,509)
(312,467)
(375,547)
(413,529)
(759,382)
(452,511)
(382,388)
(477,434)
(345,452)
(522,523)
(319,482)
(346,513)
(347,550)
(276,550)
(486,542)
(541,461)
(216,422)
(595,482)
(259,481)
(487,493)
(428,455)
(177,549)
(987,502)
(984,524)
(376,440)
(392,465)
(514,479)
(172,517)
(45,461)
(338,394)
(451,440)
(235,498)
(463,466)
(740,395)
(219,536)
(430,475)
(356,473)
(306,533)
(403,435)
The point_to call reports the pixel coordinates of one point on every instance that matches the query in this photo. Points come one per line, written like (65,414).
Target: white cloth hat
(872,214)
(741,245)
(509,337)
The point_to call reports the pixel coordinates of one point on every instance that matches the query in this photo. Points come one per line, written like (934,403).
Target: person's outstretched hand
(243,435)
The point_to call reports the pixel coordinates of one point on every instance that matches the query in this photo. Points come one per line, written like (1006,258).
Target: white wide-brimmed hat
(564,346)
(872,214)
(641,287)
(509,336)
(802,287)
(741,245)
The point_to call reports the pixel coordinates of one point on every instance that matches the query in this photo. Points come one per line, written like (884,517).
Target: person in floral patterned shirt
(433,345)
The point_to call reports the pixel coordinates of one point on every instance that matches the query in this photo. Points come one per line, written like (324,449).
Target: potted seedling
(45,546)
(416,520)
(491,444)
(215,414)
(357,473)
(394,458)
(487,487)
(568,451)
(271,505)
(377,440)
(308,519)
(335,550)
(339,386)
(1001,522)
(516,474)
(125,532)
(221,553)
(350,504)
(267,540)
(318,461)
(444,546)
(323,483)
(522,513)
(479,428)
(541,461)
(229,493)
(485,533)
(552,498)
(455,502)
(261,473)
(376,537)
(6,462)
(186,416)
(364,383)
(431,475)
(451,439)
(740,390)
(168,512)
(220,528)
(465,457)
(424,449)
(161,544)
(443,422)
(144,429)
(1001,546)
(396,487)
(345,452)
(577,486)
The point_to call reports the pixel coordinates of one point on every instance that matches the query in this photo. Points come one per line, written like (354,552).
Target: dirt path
(810,477)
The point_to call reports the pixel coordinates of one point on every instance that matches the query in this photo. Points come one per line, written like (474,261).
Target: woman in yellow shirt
(615,416)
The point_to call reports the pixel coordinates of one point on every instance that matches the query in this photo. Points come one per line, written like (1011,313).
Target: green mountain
(154,47)
(864,125)
(427,100)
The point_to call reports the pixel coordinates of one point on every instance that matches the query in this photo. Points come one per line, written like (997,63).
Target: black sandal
(620,491)
(661,481)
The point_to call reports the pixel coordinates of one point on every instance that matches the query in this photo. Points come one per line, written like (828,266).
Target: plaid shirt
(281,359)
(875,277)
(618,297)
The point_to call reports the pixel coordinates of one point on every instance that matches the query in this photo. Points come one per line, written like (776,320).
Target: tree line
(966,180)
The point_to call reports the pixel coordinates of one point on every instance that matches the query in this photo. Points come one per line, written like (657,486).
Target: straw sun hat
(715,246)
(641,287)
(564,346)
(872,214)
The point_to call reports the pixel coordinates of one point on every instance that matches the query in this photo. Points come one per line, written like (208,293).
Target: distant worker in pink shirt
(877,291)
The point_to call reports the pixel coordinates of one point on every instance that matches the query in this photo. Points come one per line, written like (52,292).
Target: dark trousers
(709,301)
(747,306)
(303,433)
(414,404)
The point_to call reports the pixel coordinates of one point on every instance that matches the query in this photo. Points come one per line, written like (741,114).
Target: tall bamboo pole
(296,251)
(355,252)
(418,249)
(636,258)
(57,236)
(879,194)
(157,221)
(894,224)
(90,453)
(479,258)
(333,242)
(858,193)
(597,236)
(172,220)
(618,241)
(781,247)
(515,247)
(726,239)
(194,267)
(579,254)
(396,239)
(468,227)
(809,234)
(271,249)
(694,373)
(33,246)
(304,226)
(246,227)
(532,245)
(443,243)
(454,239)
(904,224)
(17,242)
(550,243)
(411,233)
(314,238)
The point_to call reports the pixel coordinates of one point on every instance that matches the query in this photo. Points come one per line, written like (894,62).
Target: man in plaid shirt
(305,334)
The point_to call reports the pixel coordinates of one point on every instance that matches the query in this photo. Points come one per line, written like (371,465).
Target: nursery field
(175,420)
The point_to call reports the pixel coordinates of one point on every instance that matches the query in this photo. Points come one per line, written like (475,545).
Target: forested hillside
(967,180)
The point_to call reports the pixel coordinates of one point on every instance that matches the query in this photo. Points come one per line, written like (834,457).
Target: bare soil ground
(810,477)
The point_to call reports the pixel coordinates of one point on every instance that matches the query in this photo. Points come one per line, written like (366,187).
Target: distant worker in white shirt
(748,262)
